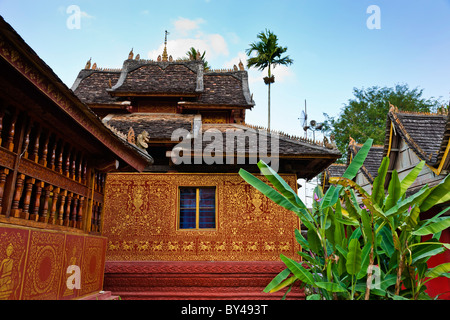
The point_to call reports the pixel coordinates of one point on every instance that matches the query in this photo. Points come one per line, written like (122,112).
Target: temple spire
(164,55)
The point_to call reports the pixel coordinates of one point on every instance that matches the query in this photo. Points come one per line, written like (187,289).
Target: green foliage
(364,115)
(361,246)
(268,52)
(194,54)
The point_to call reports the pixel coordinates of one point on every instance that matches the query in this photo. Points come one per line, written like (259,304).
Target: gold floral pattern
(141,212)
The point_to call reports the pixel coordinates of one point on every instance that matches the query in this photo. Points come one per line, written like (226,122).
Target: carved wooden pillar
(3,174)
(80,213)
(94,216)
(37,201)
(26,141)
(43,159)
(80,168)
(12,130)
(68,209)
(99,217)
(84,174)
(63,196)
(60,157)
(73,168)
(15,211)
(35,155)
(51,165)
(67,161)
(54,208)
(73,215)
(2,116)
(43,217)
(26,202)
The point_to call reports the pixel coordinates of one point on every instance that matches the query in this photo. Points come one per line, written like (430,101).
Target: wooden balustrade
(44,178)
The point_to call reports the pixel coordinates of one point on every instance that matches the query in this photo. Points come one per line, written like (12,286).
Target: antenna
(313,124)
(303,120)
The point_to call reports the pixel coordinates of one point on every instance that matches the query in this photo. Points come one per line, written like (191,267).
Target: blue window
(197,208)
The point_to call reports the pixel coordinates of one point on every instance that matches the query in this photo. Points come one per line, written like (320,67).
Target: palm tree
(268,55)
(194,54)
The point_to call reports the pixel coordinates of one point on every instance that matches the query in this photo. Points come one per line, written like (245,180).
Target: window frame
(197,208)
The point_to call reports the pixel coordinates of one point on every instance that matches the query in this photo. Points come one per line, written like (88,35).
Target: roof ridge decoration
(440,111)
(318,143)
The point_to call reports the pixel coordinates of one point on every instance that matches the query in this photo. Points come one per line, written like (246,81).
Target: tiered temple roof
(164,95)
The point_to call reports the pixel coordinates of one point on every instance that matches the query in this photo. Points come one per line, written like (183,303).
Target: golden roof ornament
(131,54)
(88,64)
(241,66)
(164,55)
(138,57)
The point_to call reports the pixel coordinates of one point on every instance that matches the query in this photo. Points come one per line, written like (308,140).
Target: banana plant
(349,230)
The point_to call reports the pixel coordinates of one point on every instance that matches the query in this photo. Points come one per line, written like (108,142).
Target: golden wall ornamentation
(34,262)
(141,212)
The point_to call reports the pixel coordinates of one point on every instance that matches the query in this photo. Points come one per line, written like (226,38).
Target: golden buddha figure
(6,266)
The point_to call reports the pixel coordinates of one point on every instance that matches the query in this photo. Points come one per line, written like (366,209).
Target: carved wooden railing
(44,180)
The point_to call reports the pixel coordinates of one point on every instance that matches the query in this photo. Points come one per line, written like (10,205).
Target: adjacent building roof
(427,134)
(372,162)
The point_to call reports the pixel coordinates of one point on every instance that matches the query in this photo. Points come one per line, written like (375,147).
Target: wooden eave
(210,106)
(152,94)
(15,51)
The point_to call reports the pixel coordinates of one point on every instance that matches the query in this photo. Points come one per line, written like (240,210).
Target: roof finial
(131,54)
(164,55)
(88,64)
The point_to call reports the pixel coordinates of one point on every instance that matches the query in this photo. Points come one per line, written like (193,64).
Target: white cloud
(191,35)
(184,26)
(235,61)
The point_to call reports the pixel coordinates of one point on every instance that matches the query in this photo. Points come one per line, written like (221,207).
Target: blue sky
(332,47)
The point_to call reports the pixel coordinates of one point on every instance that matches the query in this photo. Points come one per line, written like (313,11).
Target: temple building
(55,153)
(189,226)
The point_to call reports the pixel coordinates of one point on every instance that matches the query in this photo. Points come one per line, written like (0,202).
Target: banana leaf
(439,194)
(280,185)
(271,193)
(410,178)
(284,284)
(300,272)
(442,270)
(378,183)
(277,280)
(425,250)
(331,286)
(365,260)
(408,202)
(358,160)
(301,240)
(354,259)
(436,226)
(394,191)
